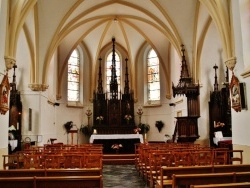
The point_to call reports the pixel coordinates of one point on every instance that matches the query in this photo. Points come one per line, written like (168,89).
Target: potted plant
(68,126)
(86,130)
(144,128)
(159,125)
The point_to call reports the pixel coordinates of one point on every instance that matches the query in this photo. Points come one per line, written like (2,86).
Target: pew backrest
(201,179)
(223,185)
(50,172)
(52,182)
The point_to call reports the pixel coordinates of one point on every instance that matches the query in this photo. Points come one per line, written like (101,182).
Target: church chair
(202,157)
(11,161)
(93,160)
(235,156)
(73,160)
(54,161)
(33,161)
(182,158)
(221,156)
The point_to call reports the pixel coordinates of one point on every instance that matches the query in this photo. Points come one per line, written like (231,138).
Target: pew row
(167,172)
(223,185)
(211,178)
(52,182)
(50,172)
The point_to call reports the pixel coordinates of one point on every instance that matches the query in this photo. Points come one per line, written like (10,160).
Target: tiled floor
(122,176)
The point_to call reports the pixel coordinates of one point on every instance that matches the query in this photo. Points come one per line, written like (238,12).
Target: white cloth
(115,136)
(216,140)
(13,144)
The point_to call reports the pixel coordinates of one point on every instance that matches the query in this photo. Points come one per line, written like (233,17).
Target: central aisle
(122,176)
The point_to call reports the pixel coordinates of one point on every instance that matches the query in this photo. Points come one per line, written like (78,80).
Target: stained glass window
(108,71)
(153,76)
(73,76)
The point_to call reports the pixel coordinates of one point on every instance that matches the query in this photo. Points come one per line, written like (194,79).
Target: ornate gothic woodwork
(186,129)
(220,109)
(113,106)
(15,115)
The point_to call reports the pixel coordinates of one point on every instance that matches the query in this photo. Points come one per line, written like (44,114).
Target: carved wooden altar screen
(186,128)
(113,106)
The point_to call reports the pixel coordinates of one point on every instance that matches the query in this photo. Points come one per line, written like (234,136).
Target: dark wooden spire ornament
(126,88)
(100,88)
(185,85)
(113,81)
(216,85)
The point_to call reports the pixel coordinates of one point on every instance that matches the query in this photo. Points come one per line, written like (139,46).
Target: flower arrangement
(86,130)
(68,125)
(116,146)
(100,118)
(137,130)
(159,125)
(144,128)
(128,117)
(219,124)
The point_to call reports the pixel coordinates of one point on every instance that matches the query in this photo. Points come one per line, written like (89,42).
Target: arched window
(108,71)
(74,77)
(153,78)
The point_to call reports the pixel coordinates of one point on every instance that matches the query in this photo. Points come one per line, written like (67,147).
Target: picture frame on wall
(235,94)
(4,95)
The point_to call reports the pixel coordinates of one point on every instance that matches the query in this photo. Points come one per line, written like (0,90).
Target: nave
(122,176)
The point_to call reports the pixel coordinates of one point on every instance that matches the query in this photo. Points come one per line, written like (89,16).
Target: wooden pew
(201,179)
(167,172)
(52,182)
(231,168)
(50,172)
(223,185)
(69,181)
(20,182)
(211,178)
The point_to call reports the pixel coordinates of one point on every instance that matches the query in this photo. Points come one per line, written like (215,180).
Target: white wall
(4,119)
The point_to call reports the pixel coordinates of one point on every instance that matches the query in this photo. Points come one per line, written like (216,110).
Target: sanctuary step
(121,159)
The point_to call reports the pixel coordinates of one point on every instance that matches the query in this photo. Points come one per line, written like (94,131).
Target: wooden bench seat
(50,172)
(52,182)
(211,178)
(201,179)
(167,172)
(223,185)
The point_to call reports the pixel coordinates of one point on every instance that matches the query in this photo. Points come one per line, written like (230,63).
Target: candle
(94,132)
(17,126)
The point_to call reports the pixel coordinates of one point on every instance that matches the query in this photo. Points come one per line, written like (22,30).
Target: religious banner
(4,95)
(235,93)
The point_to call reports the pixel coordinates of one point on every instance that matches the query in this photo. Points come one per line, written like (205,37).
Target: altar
(127,141)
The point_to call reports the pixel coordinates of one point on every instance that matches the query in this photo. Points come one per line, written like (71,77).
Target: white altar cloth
(115,136)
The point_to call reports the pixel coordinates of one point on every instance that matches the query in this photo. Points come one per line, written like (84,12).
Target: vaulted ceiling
(64,24)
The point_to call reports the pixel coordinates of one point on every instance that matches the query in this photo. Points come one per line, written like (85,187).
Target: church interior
(120,73)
